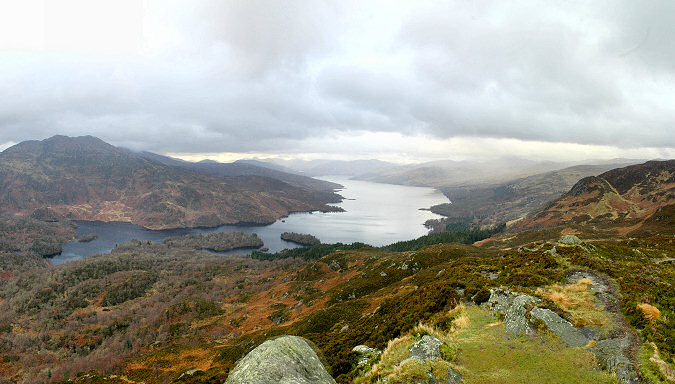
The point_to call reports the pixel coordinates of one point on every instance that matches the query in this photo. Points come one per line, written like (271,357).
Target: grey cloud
(257,75)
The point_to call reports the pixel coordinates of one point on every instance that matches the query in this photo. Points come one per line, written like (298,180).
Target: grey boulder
(284,360)
(515,321)
(427,348)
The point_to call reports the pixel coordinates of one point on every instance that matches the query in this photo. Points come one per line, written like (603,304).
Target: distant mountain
(335,167)
(622,199)
(448,173)
(86,178)
(244,168)
(515,199)
(265,164)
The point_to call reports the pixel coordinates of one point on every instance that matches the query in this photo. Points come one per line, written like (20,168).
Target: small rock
(368,355)
(346,327)
(364,349)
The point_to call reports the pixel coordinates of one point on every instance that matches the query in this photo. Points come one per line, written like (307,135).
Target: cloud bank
(293,78)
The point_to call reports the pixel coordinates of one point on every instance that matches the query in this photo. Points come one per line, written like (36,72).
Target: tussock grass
(577,300)
(650,312)
(395,365)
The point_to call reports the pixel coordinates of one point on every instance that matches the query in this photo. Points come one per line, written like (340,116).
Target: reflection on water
(376,214)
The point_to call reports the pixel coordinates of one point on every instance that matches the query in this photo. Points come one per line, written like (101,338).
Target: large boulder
(284,360)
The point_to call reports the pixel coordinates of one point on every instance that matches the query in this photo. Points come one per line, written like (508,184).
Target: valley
(181,305)
(337,192)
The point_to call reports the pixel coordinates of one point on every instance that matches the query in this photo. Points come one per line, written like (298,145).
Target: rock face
(515,321)
(284,360)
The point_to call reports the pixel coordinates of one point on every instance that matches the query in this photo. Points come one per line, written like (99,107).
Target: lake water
(376,214)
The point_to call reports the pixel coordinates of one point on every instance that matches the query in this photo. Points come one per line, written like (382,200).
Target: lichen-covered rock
(453,377)
(500,300)
(569,240)
(284,360)
(513,307)
(515,321)
(610,354)
(560,327)
(427,348)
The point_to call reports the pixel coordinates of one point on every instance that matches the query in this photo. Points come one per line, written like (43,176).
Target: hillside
(88,179)
(621,200)
(156,314)
(244,168)
(504,202)
(537,306)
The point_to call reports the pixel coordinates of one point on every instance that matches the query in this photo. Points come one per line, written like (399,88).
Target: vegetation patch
(577,300)
(219,242)
(300,238)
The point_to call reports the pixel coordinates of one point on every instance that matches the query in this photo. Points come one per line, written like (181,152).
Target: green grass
(488,356)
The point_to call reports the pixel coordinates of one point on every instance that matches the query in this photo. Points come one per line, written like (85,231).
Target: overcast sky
(401,81)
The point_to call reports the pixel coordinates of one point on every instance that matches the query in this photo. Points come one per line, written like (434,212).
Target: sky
(403,81)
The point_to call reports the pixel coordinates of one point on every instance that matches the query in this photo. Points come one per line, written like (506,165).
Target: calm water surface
(376,214)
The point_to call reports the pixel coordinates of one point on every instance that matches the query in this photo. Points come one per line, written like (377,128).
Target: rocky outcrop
(611,356)
(425,352)
(427,348)
(514,307)
(284,360)
(521,314)
(569,240)
(559,326)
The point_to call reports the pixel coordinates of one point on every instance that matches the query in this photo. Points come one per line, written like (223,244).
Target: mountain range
(84,178)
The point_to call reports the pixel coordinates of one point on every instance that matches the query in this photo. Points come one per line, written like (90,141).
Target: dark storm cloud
(242,76)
